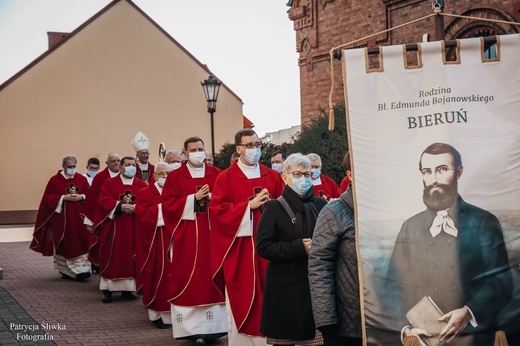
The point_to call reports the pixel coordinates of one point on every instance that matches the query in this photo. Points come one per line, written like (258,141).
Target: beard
(442,198)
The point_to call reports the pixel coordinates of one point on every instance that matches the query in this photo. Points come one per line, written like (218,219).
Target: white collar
(251,172)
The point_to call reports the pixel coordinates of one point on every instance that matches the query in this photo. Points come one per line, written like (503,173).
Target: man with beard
(453,252)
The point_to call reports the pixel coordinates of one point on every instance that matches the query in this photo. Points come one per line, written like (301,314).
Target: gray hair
(67,158)
(295,161)
(172,152)
(163,164)
(313,156)
(112,153)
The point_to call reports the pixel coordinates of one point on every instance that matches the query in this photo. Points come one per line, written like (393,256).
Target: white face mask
(196,158)
(175,165)
(253,155)
(70,171)
(161,181)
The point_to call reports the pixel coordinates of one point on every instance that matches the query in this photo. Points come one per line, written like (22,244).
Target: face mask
(70,171)
(196,158)
(92,174)
(161,181)
(301,185)
(315,173)
(253,155)
(130,171)
(277,167)
(175,165)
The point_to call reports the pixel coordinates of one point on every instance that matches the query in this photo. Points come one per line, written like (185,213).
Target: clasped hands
(203,193)
(72,197)
(127,208)
(457,319)
(260,199)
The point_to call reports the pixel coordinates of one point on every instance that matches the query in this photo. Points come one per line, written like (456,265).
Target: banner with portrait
(434,136)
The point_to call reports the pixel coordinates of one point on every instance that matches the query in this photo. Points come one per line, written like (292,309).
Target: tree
(221,160)
(330,145)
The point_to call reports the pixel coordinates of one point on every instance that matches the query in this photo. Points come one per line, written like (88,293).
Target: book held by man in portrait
(425,315)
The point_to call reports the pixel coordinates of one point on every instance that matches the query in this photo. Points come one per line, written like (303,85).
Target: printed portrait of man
(452,252)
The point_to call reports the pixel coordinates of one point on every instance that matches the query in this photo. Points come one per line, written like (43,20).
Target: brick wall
(323,24)
(17,217)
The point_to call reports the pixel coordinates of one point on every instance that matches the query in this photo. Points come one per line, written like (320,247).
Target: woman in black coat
(284,238)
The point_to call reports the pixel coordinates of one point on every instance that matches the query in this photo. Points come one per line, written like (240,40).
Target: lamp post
(211,87)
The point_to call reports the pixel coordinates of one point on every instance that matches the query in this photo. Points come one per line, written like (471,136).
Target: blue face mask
(253,155)
(92,174)
(301,185)
(277,167)
(315,173)
(130,171)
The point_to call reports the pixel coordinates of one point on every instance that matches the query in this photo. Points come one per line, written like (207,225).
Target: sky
(249,45)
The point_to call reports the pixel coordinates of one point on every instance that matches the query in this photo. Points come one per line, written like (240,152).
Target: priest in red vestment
(89,207)
(115,216)
(145,169)
(323,185)
(152,249)
(235,209)
(192,294)
(59,229)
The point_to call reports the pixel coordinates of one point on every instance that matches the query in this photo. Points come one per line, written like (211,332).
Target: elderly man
(239,194)
(151,249)
(454,253)
(141,146)
(89,208)
(174,159)
(186,196)
(59,229)
(116,219)
(324,186)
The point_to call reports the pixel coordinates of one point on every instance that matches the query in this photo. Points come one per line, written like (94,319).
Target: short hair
(112,153)
(67,158)
(125,158)
(313,156)
(295,160)
(284,155)
(442,148)
(93,161)
(162,164)
(346,162)
(193,139)
(243,133)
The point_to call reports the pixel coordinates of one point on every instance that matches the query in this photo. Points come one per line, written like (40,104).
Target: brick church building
(323,24)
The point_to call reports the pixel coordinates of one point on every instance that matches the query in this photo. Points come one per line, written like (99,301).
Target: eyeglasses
(298,174)
(441,170)
(251,145)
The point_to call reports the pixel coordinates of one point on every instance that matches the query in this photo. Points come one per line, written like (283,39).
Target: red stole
(190,274)
(151,251)
(116,238)
(63,232)
(236,257)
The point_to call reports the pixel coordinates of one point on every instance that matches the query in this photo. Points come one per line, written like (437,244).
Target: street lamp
(211,87)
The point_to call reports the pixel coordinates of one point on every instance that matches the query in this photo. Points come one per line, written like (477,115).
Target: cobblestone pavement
(38,307)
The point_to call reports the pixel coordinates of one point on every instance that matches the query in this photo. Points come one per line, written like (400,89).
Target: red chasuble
(116,237)
(151,250)
(151,170)
(89,210)
(328,188)
(190,275)
(65,231)
(236,257)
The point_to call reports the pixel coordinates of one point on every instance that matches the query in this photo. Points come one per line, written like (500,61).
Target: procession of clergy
(147,229)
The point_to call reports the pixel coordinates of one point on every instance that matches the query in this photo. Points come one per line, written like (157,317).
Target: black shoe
(65,276)
(107,296)
(200,341)
(82,276)
(126,295)
(160,324)
(95,269)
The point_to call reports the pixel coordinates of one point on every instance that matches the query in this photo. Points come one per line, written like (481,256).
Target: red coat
(152,247)
(116,236)
(65,231)
(190,275)
(244,271)
(328,188)
(344,185)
